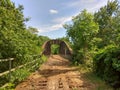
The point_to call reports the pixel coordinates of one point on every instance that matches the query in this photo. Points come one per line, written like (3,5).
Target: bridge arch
(64,48)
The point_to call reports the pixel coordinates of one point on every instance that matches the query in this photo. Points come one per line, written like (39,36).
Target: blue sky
(48,16)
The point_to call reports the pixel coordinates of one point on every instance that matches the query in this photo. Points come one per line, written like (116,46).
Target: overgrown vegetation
(107,65)
(88,75)
(95,41)
(55,49)
(20,74)
(81,33)
(17,41)
(94,38)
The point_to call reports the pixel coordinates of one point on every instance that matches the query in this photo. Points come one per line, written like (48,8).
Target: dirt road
(56,74)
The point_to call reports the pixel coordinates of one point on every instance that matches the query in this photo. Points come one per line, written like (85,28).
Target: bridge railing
(10,69)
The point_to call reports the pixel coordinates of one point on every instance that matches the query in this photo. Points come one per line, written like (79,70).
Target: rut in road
(55,74)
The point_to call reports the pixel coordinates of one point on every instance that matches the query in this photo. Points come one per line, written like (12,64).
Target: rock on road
(55,74)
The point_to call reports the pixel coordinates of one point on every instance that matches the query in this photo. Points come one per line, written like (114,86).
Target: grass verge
(90,77)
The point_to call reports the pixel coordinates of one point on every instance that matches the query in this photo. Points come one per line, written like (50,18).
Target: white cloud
(58,24)
(90,5)
(53,11)
(50,28)
(62,20)
(80,3)
(56,27)
(97,6)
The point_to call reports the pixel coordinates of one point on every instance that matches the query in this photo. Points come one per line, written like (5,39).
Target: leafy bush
(106,64)
(55,49)
(78,57)
(19,75)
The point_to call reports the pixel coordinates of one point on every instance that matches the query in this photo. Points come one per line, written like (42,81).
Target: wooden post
(10,69)
(35,63)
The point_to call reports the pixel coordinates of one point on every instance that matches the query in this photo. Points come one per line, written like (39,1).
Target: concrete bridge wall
(63,50)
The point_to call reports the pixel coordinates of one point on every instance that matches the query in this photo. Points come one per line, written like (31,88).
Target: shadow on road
(51,72)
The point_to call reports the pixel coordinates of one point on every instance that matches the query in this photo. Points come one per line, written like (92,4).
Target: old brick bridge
(64,48)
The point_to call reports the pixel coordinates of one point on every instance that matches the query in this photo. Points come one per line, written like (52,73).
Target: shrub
(78,57)
(106,64)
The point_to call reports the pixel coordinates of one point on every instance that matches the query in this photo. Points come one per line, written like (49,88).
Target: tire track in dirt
(55,74)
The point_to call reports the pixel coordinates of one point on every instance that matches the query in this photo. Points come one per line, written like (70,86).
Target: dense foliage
(81,32)
(55,49)
(95,39)
(17,41)
(107,61)
(107,18)
(107,65)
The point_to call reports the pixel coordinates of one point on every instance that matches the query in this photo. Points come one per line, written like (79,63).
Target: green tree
(82,31)
(15,40)
(32,30)
(105,18)
(116,25)
(55,49)
(11,25)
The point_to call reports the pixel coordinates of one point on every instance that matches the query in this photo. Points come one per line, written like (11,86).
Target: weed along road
(56,74)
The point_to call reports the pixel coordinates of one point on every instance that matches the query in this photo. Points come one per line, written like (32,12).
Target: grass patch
(98,82)
(90,77)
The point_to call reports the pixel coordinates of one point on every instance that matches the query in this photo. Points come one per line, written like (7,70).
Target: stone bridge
(64,48)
